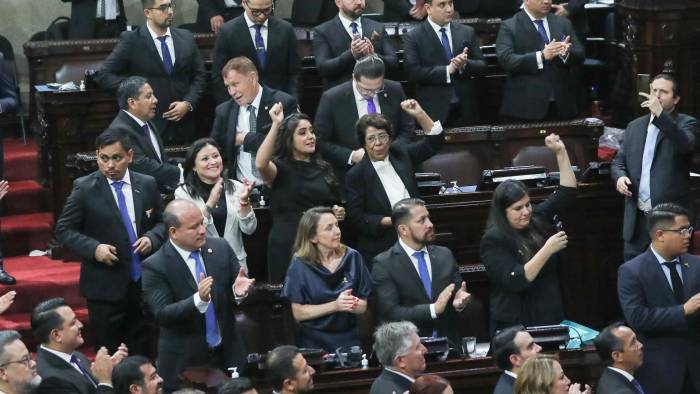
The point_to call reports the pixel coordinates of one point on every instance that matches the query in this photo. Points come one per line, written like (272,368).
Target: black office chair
(9,53)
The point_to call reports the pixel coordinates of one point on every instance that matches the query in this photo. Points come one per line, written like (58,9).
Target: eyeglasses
(26,360)
(381,137)
(369,93)
(261,11)
(164,7)
(684,232)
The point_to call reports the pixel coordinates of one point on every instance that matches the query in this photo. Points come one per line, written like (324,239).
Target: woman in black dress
(327,283)
(298,179)
(520,249)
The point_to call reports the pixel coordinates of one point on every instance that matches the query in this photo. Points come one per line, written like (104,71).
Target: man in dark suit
(659,293)
(622,354)
(653,163)
(266,40)
(339,42)
(512,346)
(191,284)
(62,368)
(136,375)
(212,14)
(242,122)
(288,372)
(138,107)
(18,374)
(367,93)
(112,219)
(169,59)
(441,57)
(416,280)
(402,361)
(96,19)
(541,54)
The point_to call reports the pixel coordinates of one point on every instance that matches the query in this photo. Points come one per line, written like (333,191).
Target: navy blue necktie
(541,30)
(85,373)
(353,27)
(126,220)
(212,331)
(147,133)
(167,60)
(637,386)
(446,43)
(260,46)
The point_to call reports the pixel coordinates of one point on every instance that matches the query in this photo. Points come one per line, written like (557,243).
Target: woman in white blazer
(225,203)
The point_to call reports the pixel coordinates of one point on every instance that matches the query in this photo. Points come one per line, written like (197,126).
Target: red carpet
(27,224)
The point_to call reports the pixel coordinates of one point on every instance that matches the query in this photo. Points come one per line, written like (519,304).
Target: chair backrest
(6,49)
(536,156)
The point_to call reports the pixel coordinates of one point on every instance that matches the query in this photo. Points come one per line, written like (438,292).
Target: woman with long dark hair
(327,283)
(224,202)
(298,179)
(520,249)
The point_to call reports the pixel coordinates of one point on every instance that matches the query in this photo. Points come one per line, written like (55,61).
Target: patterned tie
(167,60)
(676,281)
(260,46)
(424,274)
(647,160)
(353,27)
(86,374)
(147,133)
(541,30)
(253,123)
(371,109)
(637,386)
(212,331)
(126,220)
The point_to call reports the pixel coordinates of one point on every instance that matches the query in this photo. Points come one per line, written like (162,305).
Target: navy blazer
(425,62)
(282,63)
(336,129)
(528,89)
(136,54)
(223,130)
(91,217)
(331,46)
(671,339)
(59,377)
(670,167)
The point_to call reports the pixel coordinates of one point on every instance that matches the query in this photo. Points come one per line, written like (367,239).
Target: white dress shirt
(538,54)
(665,269)
(244,163)
(231,3)
(511,374)
(346,24)
(252,30)
(128,197)
(361,102)
(66,357)
(168,43)
(391,181)
(151,135)
(111,10)
(623,373)
(410,379)
(410,251)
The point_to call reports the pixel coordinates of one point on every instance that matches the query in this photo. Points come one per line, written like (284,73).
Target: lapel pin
(209,251)
(267,108)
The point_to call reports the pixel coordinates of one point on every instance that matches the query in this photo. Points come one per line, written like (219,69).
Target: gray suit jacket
(669,170)
(504,385)
(612,382)
(389,383)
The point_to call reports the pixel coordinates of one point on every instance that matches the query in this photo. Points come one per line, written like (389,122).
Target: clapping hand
(461,298)
(242,284)
(247,189)
(6,300)
(4,188)
(346,302)
(204,287)
(121,353)
(459,61)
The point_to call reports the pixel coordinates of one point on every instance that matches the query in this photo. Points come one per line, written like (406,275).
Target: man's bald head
(185,224)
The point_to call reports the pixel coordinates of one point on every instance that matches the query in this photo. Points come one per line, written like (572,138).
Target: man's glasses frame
(683,232)
(164,7)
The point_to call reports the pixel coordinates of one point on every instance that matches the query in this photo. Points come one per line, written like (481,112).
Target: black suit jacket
(224,128)
(367,201)
(669,178)
(388,383)
(671,339)
(504,385)
(282,63)
(208,9)
(169,288)
(136,54)
(336,128)
(612,382)
(59,377)
(425,62)
(82,18)
(331,46)
(401,292)
(528,89)
(166,173)
(91,217)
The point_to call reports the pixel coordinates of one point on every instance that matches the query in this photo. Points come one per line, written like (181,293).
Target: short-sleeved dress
(514,300)
(313,284)
(298,186)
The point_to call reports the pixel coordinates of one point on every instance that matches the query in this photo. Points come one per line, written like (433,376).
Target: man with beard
(417,280)
(136,375)
(339,42)
(17,368)
(288,372)
(169,59)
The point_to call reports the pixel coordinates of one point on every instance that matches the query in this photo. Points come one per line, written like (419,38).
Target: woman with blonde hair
(327,283)
(543,375)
